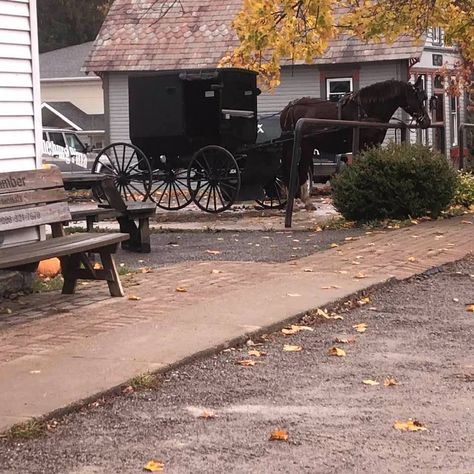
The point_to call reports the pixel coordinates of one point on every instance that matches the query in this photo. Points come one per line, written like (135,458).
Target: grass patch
(143,382)
(41,285)
(24,431)
(74,229)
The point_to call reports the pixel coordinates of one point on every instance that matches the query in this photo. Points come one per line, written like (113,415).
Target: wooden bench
(29,199)
(132,216)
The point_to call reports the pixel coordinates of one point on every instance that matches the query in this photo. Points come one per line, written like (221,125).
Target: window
(74,142)
(57,138)
(438,82)
(337,88)
(453,116)
(436,36)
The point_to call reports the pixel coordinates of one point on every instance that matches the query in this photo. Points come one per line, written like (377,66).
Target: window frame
(437,36)
(349,79)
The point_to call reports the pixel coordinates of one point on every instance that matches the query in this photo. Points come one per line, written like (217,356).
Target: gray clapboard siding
(296,82)
(118,108)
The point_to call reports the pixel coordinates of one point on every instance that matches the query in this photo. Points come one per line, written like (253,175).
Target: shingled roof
(138,35)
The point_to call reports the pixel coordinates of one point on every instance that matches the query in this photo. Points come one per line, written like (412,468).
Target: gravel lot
(418,331)
(258,246)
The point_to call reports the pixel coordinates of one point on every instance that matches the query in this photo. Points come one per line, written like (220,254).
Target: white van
(64,149)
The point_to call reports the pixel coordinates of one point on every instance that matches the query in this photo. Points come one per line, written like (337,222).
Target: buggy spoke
(220,196)
(215,200)
(130,160)
(163,193)
(132,195)
(116,158)
(137,190)
(203,193)
(176,194)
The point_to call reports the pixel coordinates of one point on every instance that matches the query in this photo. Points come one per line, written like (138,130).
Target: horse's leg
(304,167)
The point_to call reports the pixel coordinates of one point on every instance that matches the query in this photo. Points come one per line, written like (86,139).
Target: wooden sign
(34,216)
(26,180)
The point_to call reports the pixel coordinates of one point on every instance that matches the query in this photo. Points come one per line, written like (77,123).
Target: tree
(274,31)
(66,22)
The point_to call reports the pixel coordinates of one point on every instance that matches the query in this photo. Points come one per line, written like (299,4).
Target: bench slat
(57,247)
(34,216)
(32,197)
(28,180)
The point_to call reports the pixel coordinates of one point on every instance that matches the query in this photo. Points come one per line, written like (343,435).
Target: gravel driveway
(418,332)
(258,246)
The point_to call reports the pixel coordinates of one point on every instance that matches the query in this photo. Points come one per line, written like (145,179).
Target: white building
(20,114)
(20,105)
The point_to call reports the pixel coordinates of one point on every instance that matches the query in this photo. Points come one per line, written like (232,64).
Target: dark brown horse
(377,102)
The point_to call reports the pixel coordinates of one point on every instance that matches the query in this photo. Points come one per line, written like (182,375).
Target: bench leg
(70,265)
(115,285)
(144,233)
(139,235)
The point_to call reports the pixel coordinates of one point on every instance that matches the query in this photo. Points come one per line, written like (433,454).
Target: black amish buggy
(193,137)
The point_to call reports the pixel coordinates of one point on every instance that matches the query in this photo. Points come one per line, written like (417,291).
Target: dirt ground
(418,332)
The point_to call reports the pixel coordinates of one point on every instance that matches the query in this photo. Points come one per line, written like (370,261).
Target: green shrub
(464,195)
(396,182)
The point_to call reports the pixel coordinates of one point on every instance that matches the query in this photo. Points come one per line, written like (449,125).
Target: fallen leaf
(134,298)
(213,252)
(355,262)
(307,270)
(410,425)
(256,353)
(293,294)
(246,363)
(181,290)
(294,329)
(335,351)
(154,466)
(360,275)
(206,414)
(333,246)
(470,308)
(215,272)
(364,301)
(412,259)
(324,314)
(5,311)
(390,381)
(279,435)
(146,270)
(292,348)
(370,382)
(466,222)
(345,340)
(361,327)
(97,266)
(34,372)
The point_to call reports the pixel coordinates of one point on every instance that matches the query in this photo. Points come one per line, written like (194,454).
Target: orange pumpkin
(49,268)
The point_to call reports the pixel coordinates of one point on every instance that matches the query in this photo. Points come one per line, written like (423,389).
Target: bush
(464,195)
(396,182)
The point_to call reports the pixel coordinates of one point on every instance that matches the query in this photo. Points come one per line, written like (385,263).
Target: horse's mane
(380,92)
(305,101)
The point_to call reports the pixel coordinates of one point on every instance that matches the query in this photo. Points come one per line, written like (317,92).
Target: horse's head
(415,104)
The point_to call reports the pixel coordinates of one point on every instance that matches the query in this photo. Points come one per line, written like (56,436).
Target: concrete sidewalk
(60,350)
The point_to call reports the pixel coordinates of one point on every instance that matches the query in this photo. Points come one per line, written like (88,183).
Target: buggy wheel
(213,179)
(170,189)
(129,168)
(275,194)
